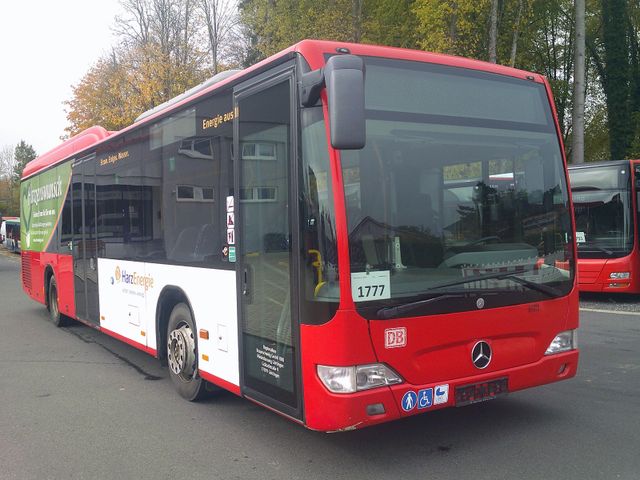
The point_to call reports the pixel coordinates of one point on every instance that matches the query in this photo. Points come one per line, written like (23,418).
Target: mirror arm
(311,84)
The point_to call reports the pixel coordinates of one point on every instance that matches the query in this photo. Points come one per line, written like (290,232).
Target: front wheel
(182,354)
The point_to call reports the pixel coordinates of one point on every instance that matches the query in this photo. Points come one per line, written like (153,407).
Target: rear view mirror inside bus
(343,76)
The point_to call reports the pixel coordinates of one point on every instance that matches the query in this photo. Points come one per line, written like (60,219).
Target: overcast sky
(45,47)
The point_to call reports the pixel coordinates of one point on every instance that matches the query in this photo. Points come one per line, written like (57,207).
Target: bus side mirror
(343,76)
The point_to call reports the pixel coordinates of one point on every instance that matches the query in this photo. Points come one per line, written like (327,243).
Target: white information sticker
(580,238)
(230,203)
(367,286)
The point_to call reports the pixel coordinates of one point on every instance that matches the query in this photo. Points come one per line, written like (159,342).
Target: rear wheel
(182,355)
(58,319)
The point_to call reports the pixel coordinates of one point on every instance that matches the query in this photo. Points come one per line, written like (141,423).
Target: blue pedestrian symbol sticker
(425,398)
(409,401)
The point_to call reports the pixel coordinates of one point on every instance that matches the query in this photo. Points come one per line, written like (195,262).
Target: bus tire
(182,354)
(57,318)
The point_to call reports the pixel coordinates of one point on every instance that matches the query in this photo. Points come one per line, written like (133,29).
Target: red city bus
(605,200)
(320,234)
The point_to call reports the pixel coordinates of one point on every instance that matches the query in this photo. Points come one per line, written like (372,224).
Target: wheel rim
(181,352)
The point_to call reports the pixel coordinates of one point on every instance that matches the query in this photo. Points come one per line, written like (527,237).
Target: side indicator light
(143,333)
(205,357)
(204,334)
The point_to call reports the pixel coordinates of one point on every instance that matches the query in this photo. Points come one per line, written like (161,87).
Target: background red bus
(605,199)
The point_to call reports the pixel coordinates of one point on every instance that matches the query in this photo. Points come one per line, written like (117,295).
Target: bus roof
(313,51)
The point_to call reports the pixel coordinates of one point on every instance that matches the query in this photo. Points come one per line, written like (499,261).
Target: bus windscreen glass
(602,204)
(460,190)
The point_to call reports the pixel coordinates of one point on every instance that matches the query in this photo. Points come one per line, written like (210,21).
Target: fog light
(563,342)
(357,378)
(619,275)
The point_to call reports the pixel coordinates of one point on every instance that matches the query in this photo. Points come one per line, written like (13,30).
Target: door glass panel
(78,244)
(90,241)
(265,243)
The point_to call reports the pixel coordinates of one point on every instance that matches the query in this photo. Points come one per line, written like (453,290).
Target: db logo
(395,337)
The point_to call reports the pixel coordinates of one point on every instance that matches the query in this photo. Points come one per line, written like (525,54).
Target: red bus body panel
(593,274)
(436,353)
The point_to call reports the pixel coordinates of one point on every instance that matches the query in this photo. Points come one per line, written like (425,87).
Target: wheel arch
(169,297)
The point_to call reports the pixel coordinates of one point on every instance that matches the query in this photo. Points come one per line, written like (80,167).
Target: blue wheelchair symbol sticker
(425,398)
(409,401)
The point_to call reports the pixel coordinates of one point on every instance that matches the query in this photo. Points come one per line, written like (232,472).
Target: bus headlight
(619,275)
(356,378)
(563,342)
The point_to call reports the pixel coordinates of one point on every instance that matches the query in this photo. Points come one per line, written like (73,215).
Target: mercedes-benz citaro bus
(346,234)
(605,200)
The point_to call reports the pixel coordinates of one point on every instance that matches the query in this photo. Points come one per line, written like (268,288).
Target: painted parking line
(615,312)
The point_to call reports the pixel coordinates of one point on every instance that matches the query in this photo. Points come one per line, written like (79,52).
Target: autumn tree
(159,56)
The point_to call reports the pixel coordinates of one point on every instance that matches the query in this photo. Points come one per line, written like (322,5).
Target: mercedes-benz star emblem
(481,355)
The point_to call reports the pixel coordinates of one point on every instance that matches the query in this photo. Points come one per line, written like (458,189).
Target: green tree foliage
(617,75)
(457,27)
(23,154)
(277,24)
(390,22)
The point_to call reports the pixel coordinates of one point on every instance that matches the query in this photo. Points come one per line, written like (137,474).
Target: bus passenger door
(264,149)
(85,261)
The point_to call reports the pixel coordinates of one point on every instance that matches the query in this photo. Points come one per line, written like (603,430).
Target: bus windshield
(602,203)
(461,179)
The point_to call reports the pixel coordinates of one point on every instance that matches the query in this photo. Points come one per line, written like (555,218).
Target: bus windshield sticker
(580,238)
(367,286)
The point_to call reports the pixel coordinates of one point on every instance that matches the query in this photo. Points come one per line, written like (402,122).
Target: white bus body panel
(129,293)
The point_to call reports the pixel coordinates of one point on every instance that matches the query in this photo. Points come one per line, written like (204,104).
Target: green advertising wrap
(41,199)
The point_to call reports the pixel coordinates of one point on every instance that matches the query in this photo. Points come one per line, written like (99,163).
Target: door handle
(245,282)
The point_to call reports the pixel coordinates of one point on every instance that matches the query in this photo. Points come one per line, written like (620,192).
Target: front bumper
(330,412)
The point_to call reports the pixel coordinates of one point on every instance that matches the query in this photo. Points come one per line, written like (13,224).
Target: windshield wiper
(551,291)
(391,312)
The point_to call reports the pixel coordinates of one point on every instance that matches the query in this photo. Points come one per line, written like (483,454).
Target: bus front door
(265,261)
